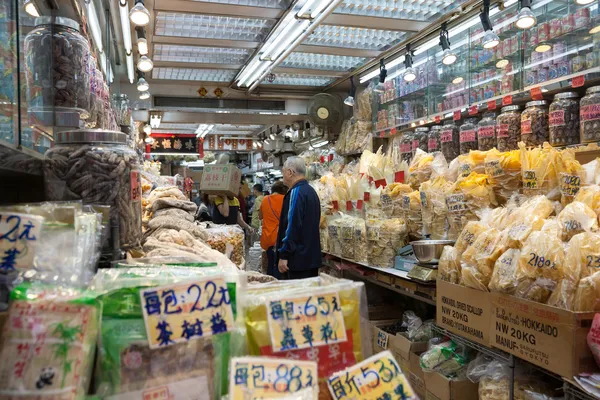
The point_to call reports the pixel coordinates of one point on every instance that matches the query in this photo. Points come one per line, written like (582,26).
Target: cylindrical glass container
(468,136)
(433,140)
(508,128)
(564,119)
(406,146)
(589,112)
(486,132)
(534,123)
(450,140)
(420,138)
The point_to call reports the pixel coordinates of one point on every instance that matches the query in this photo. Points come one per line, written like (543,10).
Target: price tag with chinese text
(491,105)
(19,238)
(473,110)
(347,232)
(536,93)
(305,321)
(372,233)
(386,201)
(378,377)
(438,119)
(186,311)
(530,180)
(578,81)
(270,378)
(456,116)
(569,184)
(493,168)
(507,100)
(456,203)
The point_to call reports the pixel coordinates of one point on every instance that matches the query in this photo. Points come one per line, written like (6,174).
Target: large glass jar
(450,140)
(508,128)
(486,132)
(590,115)
(433,141)
(420,138)
(534,123)
(406,146)
(468,136)
(564,119)
(97,167)
(56,59)
(122,110)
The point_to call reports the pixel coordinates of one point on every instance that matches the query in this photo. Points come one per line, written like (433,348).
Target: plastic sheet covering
(411,205)
(364,100)
(479,259)
(433,207)
(587,296)
(583,258)
(421,167)
(229,240)
(61,327)
(333,234)
(503,278)
(449,268)
(330,358)
(446,358)
(323,233)
(126,364)
(340,145)
(539,171)
(391,199)
(504,171)
(575,218)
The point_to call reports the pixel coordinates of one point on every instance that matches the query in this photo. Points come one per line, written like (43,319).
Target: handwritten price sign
(569,184)
(186,311)
(271,378)
(19,235)
(306,321)
(378,377)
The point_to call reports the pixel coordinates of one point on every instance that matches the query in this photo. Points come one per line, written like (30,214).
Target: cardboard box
(549,337)
(438,387)
(221,179)
(416,375)
(464,311)
(383,312)
(399,345)
(195,175)
(379,338)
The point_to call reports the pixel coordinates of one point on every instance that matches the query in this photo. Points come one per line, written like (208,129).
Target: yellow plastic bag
(538,170)
(590,196)
(449,265)
(575,218)
(411,205)
(571,176)
(503,278)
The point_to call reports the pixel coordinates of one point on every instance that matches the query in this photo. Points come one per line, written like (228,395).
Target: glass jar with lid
(406,146)
(433,141)
(420,138)
(564,119)
(57,60)
(534,123)
(508,128)
(468,136)
(122,110)
(486,132)
(97,167)
(589,113)
(450,140)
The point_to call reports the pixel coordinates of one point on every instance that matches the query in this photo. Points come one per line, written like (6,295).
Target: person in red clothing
(270,211)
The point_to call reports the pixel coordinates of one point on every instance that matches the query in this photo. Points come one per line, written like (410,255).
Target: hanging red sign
(438,119)
(473,110)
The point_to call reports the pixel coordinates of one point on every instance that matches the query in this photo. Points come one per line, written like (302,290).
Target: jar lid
(120,96)
(536,103)
(437,127)
(593,89)
(90,136)
(510,108)
(489,114)
(422,129)
(50,20)
(566,95)
(470,121)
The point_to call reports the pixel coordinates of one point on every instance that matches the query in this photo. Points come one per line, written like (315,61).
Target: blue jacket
(298,236)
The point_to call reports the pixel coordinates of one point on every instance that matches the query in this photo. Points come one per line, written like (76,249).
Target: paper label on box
(186,311)
(270,378)
(382,339)
(378,377)
(19,238)
(305,321)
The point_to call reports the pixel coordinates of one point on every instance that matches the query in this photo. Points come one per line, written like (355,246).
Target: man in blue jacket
(298,243)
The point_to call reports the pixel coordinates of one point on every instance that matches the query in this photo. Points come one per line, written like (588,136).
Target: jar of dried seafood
(590,115)
(534,123)
(564,119)
(420,138)
(486,132)
(450,140)
(122,109)
(56,59)
(468,136)
(508,128)
(406,146)
(433,142)
(97,167)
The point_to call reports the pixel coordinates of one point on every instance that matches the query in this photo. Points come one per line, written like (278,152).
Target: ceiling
(210,41)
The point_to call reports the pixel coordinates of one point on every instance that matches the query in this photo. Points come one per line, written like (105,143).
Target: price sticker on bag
(423,196)
(377,377)
(464,170)
(19,238)
(347,232)
(303,322)
(270,378)
(372,233)
(386,201)
(406,202)
(569,184)
(530,180)
(333,231)
(493,168)
(456,203)
(186,311)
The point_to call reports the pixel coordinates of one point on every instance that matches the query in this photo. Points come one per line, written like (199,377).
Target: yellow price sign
(271,378)
(306,321)
(186,311)
(377,377)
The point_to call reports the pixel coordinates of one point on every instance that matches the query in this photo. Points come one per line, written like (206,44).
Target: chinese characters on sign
(378,377)
(186,311)
(306,321)
(175,144)
(19,235)
(262,377)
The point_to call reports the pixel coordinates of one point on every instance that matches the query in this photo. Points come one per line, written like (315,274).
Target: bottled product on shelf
(486,132)
(564,119)
(450,140)
(433,139)
(534,123)
(590,115)
(468,136)
(508,128)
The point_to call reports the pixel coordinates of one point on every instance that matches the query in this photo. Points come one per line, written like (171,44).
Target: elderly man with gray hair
(298,243)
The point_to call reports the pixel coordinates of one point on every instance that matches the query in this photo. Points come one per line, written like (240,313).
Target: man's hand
(283,266)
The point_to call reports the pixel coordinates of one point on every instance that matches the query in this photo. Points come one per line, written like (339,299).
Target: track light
(490,39)
(448,57)
(543,47)
(144,95)
(410,74)
(502,63)
(142,43)
(31,8)
(147,129)
(584,2)
(379,88)
(350,99)
(525,19)
(457,80)
(149,140)
(142,85)
(145,64)
(139,14)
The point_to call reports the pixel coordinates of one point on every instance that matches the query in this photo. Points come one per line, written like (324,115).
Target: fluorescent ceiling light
(94,25)
(373,74)
(139,14)
(130,69)
(125,27)
(293,34)
(584,2)
(31,8)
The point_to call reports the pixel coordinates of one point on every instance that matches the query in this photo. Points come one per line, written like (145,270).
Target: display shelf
(574,392)
(488,351)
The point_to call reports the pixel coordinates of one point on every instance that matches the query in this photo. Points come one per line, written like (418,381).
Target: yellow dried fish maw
(449,265)
(469,234)
(575,218)
(538,207)
(518,232)
(538,171)
(541,266)
(589,195)
(571,175)
(587,296)
(433,207)
(583,255)
(563,294)
(504,170)
(503,278)
(479,259)
(420,168)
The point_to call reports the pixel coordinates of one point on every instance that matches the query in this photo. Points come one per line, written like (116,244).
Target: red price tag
(578,81)
(393,131)
(456,115)
(491,105)
(348,205)
(399,177)
(381,134)
(473,110)
(438,119)
(536,93)
(322,159)
(367,196)
(335,205)
(359,205)
(507,100)
(330,158)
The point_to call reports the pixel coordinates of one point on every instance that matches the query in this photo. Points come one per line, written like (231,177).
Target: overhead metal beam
(309,71)
(362,21)
(218,118)
(170,64)
(338,51)
(228,10)
(185,41)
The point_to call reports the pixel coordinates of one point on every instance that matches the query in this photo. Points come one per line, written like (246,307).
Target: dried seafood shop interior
(148,249)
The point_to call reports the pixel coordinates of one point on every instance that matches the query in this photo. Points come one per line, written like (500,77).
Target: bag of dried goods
(449,266)
(446,358)
(478,260)
(433,207)
(391,199)
(48,343)
(587,295)
(340,145)
(538,170)
(411,205)
(541,266)
(229,240)
(364,101)
(503,278)
(385,236)
(504,170)
(335,340)
(333,234)
(571,175)
(323,233)
(469,234)
(589,195)
(575,218)
(593,338)
(359,240)
(420,168)
(538,207)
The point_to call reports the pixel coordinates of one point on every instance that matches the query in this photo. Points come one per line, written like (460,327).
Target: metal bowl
(429,251)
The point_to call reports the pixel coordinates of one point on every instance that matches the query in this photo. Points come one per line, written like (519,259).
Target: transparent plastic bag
(503,278)
(423,333)
(433,207)
(411,205)
(575,218)
(538,170)
(385,237)
(469,234)
(478,260)
(333,234)
(587,295)
(449,269)
(446,358)
(504,170)
(229,240)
